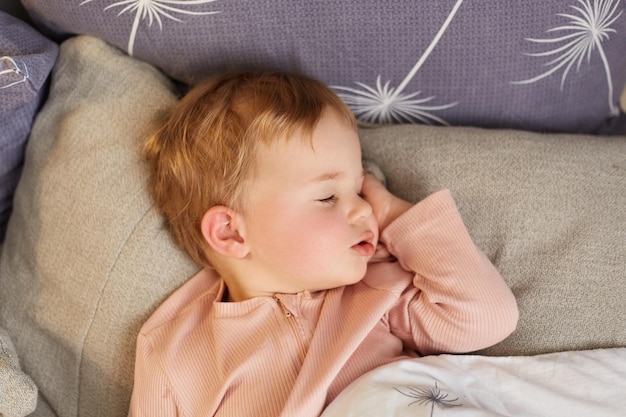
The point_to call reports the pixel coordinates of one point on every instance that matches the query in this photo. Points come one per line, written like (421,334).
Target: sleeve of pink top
(151,395)
(459,301)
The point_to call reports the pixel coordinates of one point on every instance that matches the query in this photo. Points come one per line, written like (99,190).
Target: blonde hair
(201,156)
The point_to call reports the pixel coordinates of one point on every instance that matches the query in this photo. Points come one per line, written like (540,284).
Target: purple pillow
(26,58)
(554,66)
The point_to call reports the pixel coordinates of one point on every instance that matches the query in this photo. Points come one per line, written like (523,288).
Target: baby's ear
(220,228)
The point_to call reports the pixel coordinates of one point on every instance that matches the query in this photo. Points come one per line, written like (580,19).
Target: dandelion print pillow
(558,66)
(26,59)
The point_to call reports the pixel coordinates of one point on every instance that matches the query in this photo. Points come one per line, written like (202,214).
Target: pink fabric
(291,354)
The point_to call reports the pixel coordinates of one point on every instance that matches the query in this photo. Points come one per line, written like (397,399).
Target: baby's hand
(386,206)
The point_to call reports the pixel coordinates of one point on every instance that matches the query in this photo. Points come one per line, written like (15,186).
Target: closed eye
(329,200)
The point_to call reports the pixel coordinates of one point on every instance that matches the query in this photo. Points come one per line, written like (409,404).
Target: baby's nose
(361,209)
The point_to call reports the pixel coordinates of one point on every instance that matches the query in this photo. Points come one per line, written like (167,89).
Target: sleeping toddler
(313,273)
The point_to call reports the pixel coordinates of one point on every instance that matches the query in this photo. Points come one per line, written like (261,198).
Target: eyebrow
(326,177)
(331,176)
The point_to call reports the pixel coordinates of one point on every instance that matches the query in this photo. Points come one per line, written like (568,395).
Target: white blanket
(568,384)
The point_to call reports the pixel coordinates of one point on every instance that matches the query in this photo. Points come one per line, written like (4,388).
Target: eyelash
(333,199)
(329,200)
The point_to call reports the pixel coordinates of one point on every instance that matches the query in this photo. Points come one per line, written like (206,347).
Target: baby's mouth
(366,246)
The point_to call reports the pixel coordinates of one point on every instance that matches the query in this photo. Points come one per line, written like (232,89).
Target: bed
(514,108)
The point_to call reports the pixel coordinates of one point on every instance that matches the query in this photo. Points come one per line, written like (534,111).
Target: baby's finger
(373,168)
(372,187)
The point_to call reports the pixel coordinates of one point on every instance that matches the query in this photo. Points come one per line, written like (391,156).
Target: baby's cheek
(322,234)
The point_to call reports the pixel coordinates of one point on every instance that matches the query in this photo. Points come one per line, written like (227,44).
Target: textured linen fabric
(556,66)
(26,59)
(548,210)
(292,354)
(18,393)
(86,257)
(87,260)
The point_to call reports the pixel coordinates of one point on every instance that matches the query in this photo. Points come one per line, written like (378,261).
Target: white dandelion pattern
(11,73)
(384,104)
(154,10)
(584,33)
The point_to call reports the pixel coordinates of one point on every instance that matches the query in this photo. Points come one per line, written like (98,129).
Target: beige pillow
(548,210)
(87,258)
(18,393)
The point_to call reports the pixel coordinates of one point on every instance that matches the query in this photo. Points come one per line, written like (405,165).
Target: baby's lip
(368,237)
(365,246)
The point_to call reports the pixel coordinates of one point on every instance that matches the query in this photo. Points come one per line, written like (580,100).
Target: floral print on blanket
(428,397)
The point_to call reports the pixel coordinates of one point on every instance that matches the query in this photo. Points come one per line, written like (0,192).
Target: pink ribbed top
(291,354)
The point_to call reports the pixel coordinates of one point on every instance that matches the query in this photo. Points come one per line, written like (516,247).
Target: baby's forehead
(332,149)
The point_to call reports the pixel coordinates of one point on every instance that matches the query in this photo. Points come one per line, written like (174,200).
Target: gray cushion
(481,69)
(26,58)
(87,258)
(548,210)
(18,393)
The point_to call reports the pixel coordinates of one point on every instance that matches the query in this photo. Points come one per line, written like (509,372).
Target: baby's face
(306,224)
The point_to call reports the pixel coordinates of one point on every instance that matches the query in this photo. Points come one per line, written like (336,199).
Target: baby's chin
(357,277)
